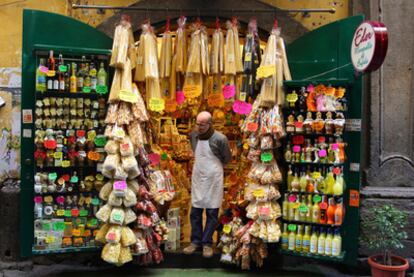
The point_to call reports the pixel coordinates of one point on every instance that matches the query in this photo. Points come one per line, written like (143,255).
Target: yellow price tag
(265,71)
(226,228)
(316,175)
(128,96)
(192,91)
(60,212)
(51,73)
(215,100)
(120,133)
(245,146)
(296,205)
(65,163)
(170,106)
(91,135)
(248,57)
(259,193)
(157,104)
(50,239)
(292,97)
(58,155)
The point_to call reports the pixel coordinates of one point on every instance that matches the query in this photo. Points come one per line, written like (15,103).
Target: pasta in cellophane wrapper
(104,213)
(130,198)
(111,147)
(124,115)
(114,234)
(110,253)
(140,247)
(121,43)
(266,142)
(136,134)
(138,109)
(112,113)
(130,216)
(126,148)
(125,256)
(105,191)
(127,236)
(256,171)
(100,235)
(253,140)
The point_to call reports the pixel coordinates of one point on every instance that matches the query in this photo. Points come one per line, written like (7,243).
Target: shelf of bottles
(314,154)
(70,109)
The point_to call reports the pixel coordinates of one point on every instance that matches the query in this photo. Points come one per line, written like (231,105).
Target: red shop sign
(369,46)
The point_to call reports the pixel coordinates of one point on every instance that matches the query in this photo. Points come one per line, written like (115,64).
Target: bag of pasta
(130,216)
(117,216)
(111,252)
(124,256)
(127,236)
(130,166)
(130,198)
(251,210)
(257,171)
(266,143)
(140,246)
(120,173)
(110,164)
(104,213)
(273,231)
(105,191)
(100,235)
(114,200)
(133,185)
(114,234)
(276,174)
(111,147)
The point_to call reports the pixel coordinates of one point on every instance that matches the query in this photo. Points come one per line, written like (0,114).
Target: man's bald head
(203,122)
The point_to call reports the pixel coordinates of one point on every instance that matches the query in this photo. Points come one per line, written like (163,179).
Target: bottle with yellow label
(306,240)
(289,178)
(295,183)
(303,182)
(338,188)
(285,238)
(291,210)
(296,210)
(336,244)
(321,242)
(73,81)
(314,241)
(316,210)
(329,181)
(303,209)
(285,207)
(298,239)
(291,241)
(328,243)
(309,206)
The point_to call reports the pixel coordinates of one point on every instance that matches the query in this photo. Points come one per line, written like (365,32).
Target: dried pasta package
(107,173)
(111,147)
(273,231)
(276,174)
(130,216)
(127,236)
(256,172)
(111,163)
(138,108)
(251,210)
(253,140)
(232,56)
(130,198)
(121,43)
(266,178)
(112,113)
(136,134)
(276,212)
(217,51)
(108,131)
(140,246)
(140,67)
(263,231)
(104,213)
(114,200)
(150,52)
(133,185)
(125,256)
(273,193)
(116,85)
(264,210)
(126,148)
(114,234)
(255,229)
(110,253)
(105,191)
(166,52)
(249,191)
(100,235)
(253,155)
(266,142)
(181,46)
(130,165)
(117,216)
(120,173)
(124,115)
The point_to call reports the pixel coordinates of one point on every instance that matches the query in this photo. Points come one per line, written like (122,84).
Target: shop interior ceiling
(157,11)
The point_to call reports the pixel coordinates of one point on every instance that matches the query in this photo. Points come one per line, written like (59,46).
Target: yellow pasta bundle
(181,46)
(150,52)
(121,43)
(232,56)
(217,52)
(140,67)
(166,53)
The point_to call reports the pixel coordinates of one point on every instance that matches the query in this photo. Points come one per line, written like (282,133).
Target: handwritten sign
(120,185)
(192,91)
(265,71)
(154,158)
(128,96)
(215,100)
(156,104)
(229,91)
(252,126)
(179,97)
(170,106)
(241,107)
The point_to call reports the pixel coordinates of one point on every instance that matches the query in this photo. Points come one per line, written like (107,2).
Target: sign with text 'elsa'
(369,46)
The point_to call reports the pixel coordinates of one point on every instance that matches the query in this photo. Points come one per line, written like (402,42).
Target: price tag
(60,212)
(229,91)
(68,213)
(317,198)
(91,135)
(215,100)
(248,57)
(192,91)
(50,144)
(322,153)
(227,228)
(179,97)
(100,140)
(337,171)
(303,209)
(157,104)
(264,210)
(252,126)
(170,106)
(94,156)
(265,71)
(95,201)
(323,205)
(52,176)
(154,158)
(243,96)
(87,233)
(120,133)
(245,146)
(259,193)
(75,212)
(120,185)
(59,226)
(99,177)
(101,89)
(316,175)
(46,226)
(65,163)
(74,179)
(292,97)
(128,96)
(298,140)
(66,177)
(111,236)
(43,69)
(51,73)
(80,133)
(58,155)
(117,217)
(76,232)
(292,227)
(83,213)
(335,146)
(93,222)
(292,198)
(38,199)
(296,149)
(63,68)
(164,156)
(50,239)
(266,157)
(241,107)
(310,88)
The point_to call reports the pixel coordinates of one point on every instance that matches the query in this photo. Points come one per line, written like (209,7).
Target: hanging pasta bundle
(251,60)
(283,66)
(121,45)
(217,51)
(166,52)
(232,55)
(150,52)
(140,67)
(181,46)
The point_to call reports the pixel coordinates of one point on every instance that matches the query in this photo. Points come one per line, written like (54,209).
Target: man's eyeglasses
(202,124)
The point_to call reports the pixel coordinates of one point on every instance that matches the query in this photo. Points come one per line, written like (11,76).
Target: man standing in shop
(212,152)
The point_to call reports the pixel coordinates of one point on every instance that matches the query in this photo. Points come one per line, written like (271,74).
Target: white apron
(207,178)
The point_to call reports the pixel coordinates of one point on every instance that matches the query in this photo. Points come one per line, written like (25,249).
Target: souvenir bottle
(289,178)
(288,153)
(321,241)
(339,124)
(285,238)
(292,241)
(318,124)
(298,239)
(285,206)
(295,183)
(330,212)
(323,211)
(303,182)
(299,124)
(308,151)
(329,124)
(336,244)
(314,241)
(309,209)
(306,240)
(296,211)
(290,124)
(339,214)
(73,80)
(308,123)
(328,243)
(41,83)
(338,188)
(330,181)
(316,213)
(303,209)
